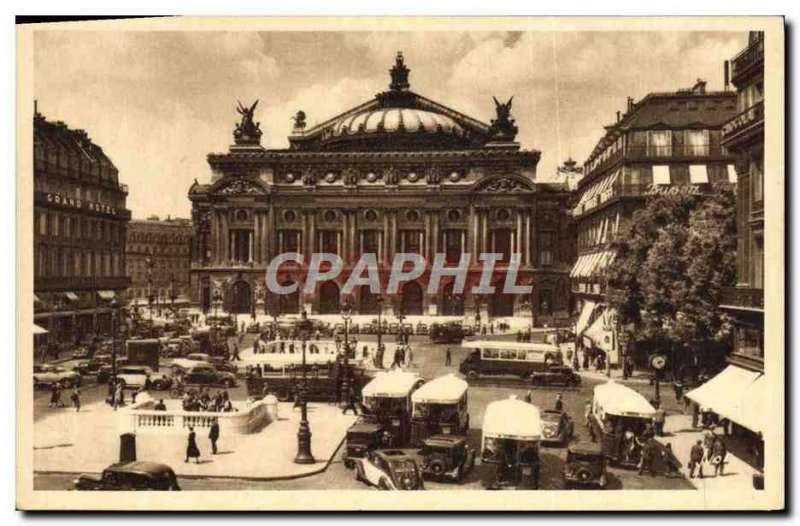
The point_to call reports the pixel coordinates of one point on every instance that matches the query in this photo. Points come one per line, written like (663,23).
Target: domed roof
(396,120)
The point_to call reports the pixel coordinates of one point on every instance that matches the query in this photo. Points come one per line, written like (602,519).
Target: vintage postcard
(401,264)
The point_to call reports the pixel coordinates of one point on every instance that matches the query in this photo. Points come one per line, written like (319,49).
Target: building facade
(398,173)
(744,137)
(80,223)
(158,258)
(667,142)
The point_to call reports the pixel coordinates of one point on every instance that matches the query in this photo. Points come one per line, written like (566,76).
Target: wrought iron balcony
(743,298)
(751,119)
(752,56)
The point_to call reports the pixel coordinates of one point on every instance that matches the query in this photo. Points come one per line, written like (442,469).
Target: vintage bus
(446,333)
(502,358)
(620,416)
(439,408)
(387,402)
(512,431)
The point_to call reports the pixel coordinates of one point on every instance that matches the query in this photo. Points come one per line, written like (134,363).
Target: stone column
(312,232)
(485,247)
(472,233)
(519,241)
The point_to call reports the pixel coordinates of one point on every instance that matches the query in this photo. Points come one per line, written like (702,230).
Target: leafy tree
(673,258)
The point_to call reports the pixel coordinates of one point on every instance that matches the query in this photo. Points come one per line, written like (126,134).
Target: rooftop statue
(503,127)
(399,74)
(299,120)
(247,131)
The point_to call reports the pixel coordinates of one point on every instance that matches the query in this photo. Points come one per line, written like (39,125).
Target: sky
(159,102)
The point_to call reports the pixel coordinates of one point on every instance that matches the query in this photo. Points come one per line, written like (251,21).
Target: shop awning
(71,296)
(725,394)
(661,174)
(583,319)
(698,174)
(39,330)
(106,294)
(36,299)
(755,409)
(601,338)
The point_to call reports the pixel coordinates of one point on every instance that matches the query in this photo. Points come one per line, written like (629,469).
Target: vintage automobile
(394,328)
(87,367)
(130,476)
(362,437)
(557,427)
(556,375)
(81,352)
(585,466)
(207,375)
(134,376)
(253,328)
(504,358)
(439,407)
(389,469)
(181,365)
(50,374)
(512,430)
(421,328)
(221,363)
(446,333)
(446,457)
(175,348)
(105,371)
(387,401)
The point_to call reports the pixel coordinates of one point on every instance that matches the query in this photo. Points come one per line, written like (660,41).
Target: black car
(585,466)
(207,375)
(446,457)
(130,476)
(556,375)
(557,427)
(362,437)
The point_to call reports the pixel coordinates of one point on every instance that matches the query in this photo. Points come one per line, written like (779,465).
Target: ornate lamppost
(217,300)
(304,455)
(115,336)
(172,295)
(379,350)
(347,314)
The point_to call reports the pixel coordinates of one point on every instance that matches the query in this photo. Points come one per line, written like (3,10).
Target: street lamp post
(379,350)
(347,314)
(172,295)
(114,335)
(304,455)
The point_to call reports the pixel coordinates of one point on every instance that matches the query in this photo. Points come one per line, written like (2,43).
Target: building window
(758,262)
(501,243)
(241,241)
(757,179)
(329,216)
(750,342)
(546,249)
(413,215)
(454,215)
(43,224)
(289,240)
(452,241)
(679,174)
(371,242)
(411,241)
(329,241)
(659,143)
(696,143)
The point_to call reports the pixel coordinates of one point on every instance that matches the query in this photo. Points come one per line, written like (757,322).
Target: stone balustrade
(142,418)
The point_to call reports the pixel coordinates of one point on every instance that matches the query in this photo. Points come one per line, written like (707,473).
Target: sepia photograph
(401,264)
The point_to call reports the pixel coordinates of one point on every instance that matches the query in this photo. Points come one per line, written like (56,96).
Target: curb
(322,469)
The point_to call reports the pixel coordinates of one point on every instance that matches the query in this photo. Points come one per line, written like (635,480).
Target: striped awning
(71,296)
(106,294)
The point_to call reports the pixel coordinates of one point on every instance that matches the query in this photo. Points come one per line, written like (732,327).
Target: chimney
(727,74)
(630,104)
(699,87)
(618,115)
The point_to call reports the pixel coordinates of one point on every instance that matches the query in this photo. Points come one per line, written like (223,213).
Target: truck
(143,352)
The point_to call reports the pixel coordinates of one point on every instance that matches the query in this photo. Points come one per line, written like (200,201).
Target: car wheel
(228,383)
(349,464)
(437,467)
(357,474)
(472,375)
(283,395)
(525,376)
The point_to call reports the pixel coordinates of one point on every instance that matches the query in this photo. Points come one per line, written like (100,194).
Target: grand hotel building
(398,173)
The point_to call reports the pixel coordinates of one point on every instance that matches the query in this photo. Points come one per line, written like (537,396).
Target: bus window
(506,354)
(532,356)
(521,355)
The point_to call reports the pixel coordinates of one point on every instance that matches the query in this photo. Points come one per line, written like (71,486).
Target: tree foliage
(673,257)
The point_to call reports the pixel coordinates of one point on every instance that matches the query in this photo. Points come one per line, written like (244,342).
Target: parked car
(389,469)
(87,367)
(130,476)
(221,363)
(253,328)
(207,375)
(585,466)
(556,375)
(446,457)
(81,352)
(134,376)
(50,374)
(557,427)
(362,437)
(175,348)
(421,328)
(181,365)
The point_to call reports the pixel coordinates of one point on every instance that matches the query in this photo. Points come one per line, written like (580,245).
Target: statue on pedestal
(247,131)
(503,127)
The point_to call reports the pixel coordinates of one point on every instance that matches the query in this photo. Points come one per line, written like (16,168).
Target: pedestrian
(148,383)
(695,414)
(351,401)
(236,353)
(191,447)
(76,399)
(213,436)
(559,403)
(670,462)
(448,358)
(646,460)
(528,396)
(119,395)
(53,395)
(587,412)
(718,453)
(160,405)
(410,356)
(678,390)
(696,459)
(491,329)
(659,419)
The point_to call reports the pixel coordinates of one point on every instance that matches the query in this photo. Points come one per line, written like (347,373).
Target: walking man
(659,419)
(696,459)
(76,399)
(587,411)
(718,453)
(528,397)
(559,403)
(191,447)
(236,353)
(213,436)
(351,401)
(448,359)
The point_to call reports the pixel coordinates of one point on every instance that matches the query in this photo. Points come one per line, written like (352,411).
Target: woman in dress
(191,448)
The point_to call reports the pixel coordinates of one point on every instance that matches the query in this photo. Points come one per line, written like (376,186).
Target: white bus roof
(392,384)
(446,389)
(512,418)
(617,399)
(494,344)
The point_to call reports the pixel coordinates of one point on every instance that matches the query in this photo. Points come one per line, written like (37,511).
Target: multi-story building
(667,142)
(398,173)
(79,233)
(158,256)
(743,136)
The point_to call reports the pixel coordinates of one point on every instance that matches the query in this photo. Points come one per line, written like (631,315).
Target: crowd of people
(203,400)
